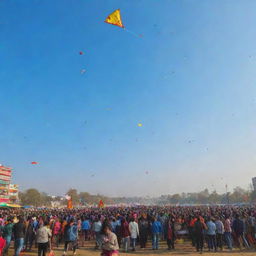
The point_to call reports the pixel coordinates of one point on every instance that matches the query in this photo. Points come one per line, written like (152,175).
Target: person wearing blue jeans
(134,232)
(7,234)
(228,239)
(125,242)
(211,234)
(19,230)
(155,240)
(8,240)
(156,229)
(133,243)
(18,245)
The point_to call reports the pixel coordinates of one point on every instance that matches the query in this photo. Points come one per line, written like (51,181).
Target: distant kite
(34,162)
(115,19)
(82,71)
(81,53)
(140,124)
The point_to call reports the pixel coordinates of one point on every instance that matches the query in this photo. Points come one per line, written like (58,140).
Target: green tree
(214,198)
(176,198)
(30,197)
(203,196)
(45,199)
(85,197)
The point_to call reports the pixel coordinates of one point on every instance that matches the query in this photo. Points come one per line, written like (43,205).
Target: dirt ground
(181,249)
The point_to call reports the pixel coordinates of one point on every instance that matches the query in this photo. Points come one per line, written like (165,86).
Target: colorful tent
(13,205)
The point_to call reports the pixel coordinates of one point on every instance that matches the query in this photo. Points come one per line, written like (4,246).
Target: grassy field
(181,249)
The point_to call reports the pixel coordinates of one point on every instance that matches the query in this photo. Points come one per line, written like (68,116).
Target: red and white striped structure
(5,180)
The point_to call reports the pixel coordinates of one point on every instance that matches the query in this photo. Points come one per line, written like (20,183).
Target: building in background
(254,183)
(5,180)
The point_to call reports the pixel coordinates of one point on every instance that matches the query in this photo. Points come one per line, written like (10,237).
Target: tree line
(239,195)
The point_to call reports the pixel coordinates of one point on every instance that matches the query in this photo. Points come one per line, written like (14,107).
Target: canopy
(14,205)
(9,205)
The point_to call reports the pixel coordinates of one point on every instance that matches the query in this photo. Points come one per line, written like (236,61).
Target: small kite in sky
(115,19)
(82,71)
(34,162)
(140,124)
(147,172)
(81,53)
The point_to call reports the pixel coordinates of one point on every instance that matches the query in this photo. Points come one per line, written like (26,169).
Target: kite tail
(131,32)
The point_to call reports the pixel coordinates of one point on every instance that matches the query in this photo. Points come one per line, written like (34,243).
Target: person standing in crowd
(43,236)
(125,234)
(97,225)
(70,236)
(113,225)
(7,234)
(118,231)
(156,229)
(2,244)
(238,227)
(86,227)
(110,244)
(198,232)
(19,230)
(56,231)
(245,220)
(170,234)
(211,235)
(143,227)
(219,232)
(251,230)
(30,234)
(228,232)
(134,231)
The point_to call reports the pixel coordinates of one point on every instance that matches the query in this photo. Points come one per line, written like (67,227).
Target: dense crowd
(128,228)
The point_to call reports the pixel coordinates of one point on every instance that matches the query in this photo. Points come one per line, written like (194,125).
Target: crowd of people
(127,228)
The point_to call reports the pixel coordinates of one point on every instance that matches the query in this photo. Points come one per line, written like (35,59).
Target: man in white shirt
(134,230)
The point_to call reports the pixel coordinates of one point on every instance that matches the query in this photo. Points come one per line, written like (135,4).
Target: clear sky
(190,80)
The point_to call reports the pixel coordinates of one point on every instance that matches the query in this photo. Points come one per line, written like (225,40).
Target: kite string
(131,32)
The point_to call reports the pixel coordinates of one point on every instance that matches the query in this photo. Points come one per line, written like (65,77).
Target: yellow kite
(115,19)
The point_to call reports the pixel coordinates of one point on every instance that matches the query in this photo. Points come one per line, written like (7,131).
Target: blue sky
(190,80)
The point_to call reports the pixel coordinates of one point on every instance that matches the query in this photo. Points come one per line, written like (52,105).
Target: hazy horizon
(186,72)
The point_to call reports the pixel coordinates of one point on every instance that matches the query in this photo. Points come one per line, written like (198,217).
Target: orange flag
(101,204)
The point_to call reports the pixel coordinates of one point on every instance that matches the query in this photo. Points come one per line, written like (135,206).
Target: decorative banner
(6,178)
(6,173)
(101,204)
(4,182)
(5,167)
(2,200)
(70,204)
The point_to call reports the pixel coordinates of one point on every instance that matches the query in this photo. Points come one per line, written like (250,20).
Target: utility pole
(227,197)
